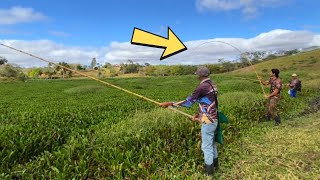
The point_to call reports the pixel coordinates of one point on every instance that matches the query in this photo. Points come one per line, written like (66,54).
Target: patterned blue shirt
(205,96)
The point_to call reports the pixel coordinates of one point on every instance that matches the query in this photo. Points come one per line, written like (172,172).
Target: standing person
(274,96)
(295,85)
(206,96)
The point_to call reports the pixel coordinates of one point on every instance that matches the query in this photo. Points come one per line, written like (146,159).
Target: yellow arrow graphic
(172,44)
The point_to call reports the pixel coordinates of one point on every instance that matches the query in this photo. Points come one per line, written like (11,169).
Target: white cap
(294,75)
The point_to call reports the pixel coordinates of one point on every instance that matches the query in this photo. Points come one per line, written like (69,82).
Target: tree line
(55,71)
(52,71)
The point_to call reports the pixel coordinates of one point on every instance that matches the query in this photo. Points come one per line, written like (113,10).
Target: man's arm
(191,99)
(275,92)
(188,102)
(294,83)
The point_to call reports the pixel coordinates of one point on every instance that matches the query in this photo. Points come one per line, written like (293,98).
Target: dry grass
(291,151)
(304,61)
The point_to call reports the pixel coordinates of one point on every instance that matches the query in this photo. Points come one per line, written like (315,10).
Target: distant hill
(260,55)
(303,61)
(309,48)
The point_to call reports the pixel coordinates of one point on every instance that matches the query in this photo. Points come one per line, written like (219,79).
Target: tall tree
(107,65)
(93,63)
(63,71)
(147,64)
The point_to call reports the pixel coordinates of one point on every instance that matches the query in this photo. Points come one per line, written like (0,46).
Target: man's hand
(166,104)
(196,118)
(266,96)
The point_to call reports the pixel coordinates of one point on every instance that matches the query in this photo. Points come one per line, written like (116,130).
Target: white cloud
(250,12)
(209,51)
(199,51)
(315,41)
(48,50)
(18,14)
(223,5)
(249,8)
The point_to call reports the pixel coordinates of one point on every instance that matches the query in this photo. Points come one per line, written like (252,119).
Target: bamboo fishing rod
(98,80)
(264,93)
(245,79)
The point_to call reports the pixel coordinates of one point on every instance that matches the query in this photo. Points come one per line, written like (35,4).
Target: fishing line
(98,80)
(241,53)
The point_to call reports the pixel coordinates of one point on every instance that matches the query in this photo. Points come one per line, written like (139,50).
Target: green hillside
(306,61)
(306,65)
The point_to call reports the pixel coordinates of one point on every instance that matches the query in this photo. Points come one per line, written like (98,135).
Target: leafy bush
(9,70)
(84,89)
(3,60)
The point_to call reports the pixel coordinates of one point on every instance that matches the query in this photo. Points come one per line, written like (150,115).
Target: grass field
(64,129)
(291,151)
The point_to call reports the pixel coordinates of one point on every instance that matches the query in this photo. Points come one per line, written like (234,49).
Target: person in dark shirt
(274,96)
(205,95)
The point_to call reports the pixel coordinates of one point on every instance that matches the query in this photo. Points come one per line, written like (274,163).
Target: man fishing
(274,96)
(206,96)
(295,85)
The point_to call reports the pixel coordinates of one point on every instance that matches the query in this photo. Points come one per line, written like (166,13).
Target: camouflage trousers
(272,107)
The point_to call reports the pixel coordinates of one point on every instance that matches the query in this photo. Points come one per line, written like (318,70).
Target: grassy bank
(290,151)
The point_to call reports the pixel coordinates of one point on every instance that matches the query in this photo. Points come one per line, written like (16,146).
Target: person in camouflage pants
(274,96)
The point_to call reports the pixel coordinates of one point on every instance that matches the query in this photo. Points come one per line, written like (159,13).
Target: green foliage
(34,123)
(84,89)
(174,70)
(291,52)
(22,76)
(64,129)
(288,152)
(298,63)
(270,57)
(80,67)
(150,70)
(129,67)
(215,68)
(3,60)
(107,65)
(113,72)
(63,71)
(35,73)
(12,71)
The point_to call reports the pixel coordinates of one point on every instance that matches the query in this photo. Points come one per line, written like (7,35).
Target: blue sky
(97,24)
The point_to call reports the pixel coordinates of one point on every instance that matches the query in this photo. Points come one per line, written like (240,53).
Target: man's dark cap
(202,71)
